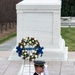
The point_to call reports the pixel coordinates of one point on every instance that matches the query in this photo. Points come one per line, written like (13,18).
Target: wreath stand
(30,49)
(26,69)
(29,67)
(29,64)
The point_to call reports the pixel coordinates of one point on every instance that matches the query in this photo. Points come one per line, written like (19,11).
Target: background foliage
(68,8)
(7,14)
(8,10)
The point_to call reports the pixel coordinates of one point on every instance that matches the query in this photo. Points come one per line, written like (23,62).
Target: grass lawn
(68,34)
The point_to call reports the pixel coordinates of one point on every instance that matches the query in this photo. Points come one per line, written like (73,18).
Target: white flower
(30,42)
(30,54)
(35,45)
(25,53)
(35,56)
(21,46)
(35,38)
(22,50)
(27,58)
(34,51)
(22,56)
(24,44)
(32,59)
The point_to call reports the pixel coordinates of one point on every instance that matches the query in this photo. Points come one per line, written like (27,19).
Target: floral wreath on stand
(29,48)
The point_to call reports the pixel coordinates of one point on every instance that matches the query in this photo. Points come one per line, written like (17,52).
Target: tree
(68,8)
(7,12)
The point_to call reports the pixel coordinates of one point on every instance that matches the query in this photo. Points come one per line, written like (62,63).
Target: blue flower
(39,51)
(19,51)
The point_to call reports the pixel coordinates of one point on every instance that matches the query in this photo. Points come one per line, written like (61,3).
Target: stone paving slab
(4,55)
(8,46)
(13,68)
(9,67)
(67,68)
(71,56)
(54,67)
(3,66)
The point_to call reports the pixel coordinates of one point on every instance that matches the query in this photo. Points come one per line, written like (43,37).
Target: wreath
(29,48)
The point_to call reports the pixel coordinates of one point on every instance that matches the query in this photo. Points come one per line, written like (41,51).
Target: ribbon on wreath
(39,50)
